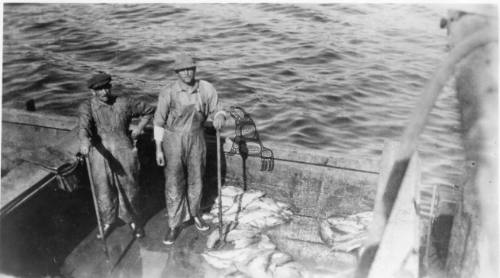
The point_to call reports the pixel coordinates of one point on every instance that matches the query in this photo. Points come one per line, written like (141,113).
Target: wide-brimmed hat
(184,61)
(98,81)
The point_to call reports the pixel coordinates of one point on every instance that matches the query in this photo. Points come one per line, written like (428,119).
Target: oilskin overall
(184,148)
(115,165)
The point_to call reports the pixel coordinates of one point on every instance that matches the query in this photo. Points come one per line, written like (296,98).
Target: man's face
(186,75)
(103,93)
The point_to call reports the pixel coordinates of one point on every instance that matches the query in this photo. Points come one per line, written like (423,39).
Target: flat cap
(478,9)
(184,61)
(98,81)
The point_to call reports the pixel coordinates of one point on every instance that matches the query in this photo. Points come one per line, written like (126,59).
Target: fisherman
(104,125)
(183,107)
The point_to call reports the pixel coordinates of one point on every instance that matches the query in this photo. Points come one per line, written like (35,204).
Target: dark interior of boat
(37,237)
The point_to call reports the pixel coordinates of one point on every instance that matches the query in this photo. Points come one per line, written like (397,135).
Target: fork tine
(267,164)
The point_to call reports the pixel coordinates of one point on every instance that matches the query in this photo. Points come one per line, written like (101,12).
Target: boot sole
(202,229)
(168,243)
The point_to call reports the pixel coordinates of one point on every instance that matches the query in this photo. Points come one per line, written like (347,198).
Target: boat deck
(316,184)
(148,257)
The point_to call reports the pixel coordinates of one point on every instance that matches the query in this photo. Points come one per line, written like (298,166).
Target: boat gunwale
(327,159)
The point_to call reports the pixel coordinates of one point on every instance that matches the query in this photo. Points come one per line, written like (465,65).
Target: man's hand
(84,148)
(219,121)
(160,158)
(136,132)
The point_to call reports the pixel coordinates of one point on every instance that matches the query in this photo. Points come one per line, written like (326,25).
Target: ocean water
(332,77)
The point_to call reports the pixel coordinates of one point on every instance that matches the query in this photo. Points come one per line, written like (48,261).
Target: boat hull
(317,184)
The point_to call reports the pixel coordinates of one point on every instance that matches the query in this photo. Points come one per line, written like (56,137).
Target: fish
(265,203)
(347,225)
(235,204)
(253,253)
(227,202)
(283,205)
(245,241)
(279,258)
(349,273)
(233,209)
(217,262)
(250,196)
(241,255)
(346,228)
(345,233)
(286,213)
(364,217)
(271,221)
(315,254)
(326,233)
(214,235)
(253,216)
(319,273)
(266,243)
(261,218)
(258,260)
(351,244)
(258,265)
(231,255)
(231,191)
(236,274)
(331,235)
(289,270)
(212,239)
(207,216)
(241,233)
(243,237)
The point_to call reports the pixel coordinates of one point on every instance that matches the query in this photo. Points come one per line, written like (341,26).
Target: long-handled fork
(96,207)
(220,242)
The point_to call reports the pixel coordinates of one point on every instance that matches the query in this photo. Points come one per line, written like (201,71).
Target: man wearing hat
(183,107)
(104,136)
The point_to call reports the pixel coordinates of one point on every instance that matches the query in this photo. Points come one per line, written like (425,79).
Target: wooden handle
(219,185)
(96,206)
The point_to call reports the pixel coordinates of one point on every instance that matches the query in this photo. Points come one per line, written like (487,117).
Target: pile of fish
(258,259)
(248,218)
(245,215)
(250,209)
(345,233)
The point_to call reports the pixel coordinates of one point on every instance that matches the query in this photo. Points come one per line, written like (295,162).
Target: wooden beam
(398,249)
(23,117)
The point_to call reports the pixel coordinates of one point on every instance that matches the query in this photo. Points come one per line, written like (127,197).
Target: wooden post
(391,246)
(377,225)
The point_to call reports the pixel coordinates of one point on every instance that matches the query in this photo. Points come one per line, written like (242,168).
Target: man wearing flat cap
(104,137)
(183,107)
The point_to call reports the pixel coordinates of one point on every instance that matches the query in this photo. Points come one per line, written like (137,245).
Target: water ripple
(332,77)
